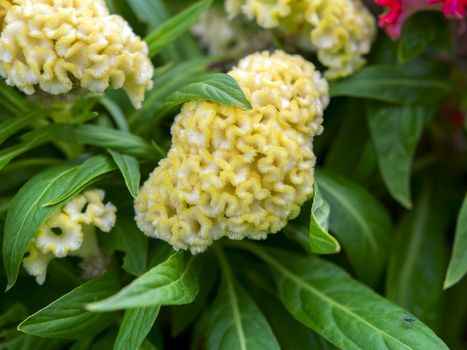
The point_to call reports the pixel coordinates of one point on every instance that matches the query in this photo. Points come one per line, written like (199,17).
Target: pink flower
(399,10)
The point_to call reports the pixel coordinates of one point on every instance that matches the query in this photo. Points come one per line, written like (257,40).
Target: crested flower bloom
(234,172)
(219,35)
(70,231)
(63,46)
(399,10)
(340,31)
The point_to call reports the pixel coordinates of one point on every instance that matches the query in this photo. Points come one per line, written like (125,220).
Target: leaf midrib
(330,301)
(34,206)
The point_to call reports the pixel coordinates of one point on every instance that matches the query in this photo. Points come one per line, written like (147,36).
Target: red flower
(399,10)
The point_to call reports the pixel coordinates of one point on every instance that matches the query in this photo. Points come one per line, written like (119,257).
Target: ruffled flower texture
(70,231)
(233,172)
(62,45)
(341,31)
(399,10)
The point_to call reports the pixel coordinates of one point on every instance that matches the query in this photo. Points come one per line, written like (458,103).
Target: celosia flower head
(60,46)
(341,31)
(399,10)
(233,172)
(70,231)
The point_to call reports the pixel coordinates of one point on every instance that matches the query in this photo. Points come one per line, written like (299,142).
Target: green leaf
(33,139)
(13,101)
(417,263)
(390,84)
(175,27)
(321,242)
(214,87)
(361,223)
(396,131)
(104,137)
(134,244)
(136,324)
(66,316)
(11,126)
(86,173)
(168,81)
(27,213)
(116,113)
(458,263)
(129,168)
(347,313)
(173,282)
(418,32)
(235,321)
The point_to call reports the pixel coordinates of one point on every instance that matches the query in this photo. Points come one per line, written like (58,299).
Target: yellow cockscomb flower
(70,231)
(60,46)
(340,31)
(233,172)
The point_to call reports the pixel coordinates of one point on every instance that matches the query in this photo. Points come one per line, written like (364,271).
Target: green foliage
(67,318)
(173,282)
(458,263)
(361,267)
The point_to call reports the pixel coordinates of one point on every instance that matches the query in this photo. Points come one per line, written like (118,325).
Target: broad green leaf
(85,173)
(136,324)
(418,32)
(458,263)
(129,167)
(133,243)
(321,242)
(104,137)
(173,282)
(27,213)
(348,314)
(29,342)
(67,318)
(235,321)
(390,84)
(396,131)
(175,27)
(417,260)
(36,138)
(214,87)
(168,81)
(361,223)
(150,12)
(11,126)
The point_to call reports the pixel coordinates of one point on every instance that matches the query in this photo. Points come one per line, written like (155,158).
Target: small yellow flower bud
(70,231)
(60,46)
(233,172)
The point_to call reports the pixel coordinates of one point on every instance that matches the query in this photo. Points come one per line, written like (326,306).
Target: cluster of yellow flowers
(64,45)
(341,31)
(233,172)
(70,231)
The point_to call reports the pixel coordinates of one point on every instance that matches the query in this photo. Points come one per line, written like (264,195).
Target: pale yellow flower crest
(340,31)
(70,231)
(62,46)
(233,172)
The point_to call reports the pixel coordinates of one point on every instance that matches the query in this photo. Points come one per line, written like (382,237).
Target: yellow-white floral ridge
(70,231)
(341,31)
(62,45)
(233,172)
